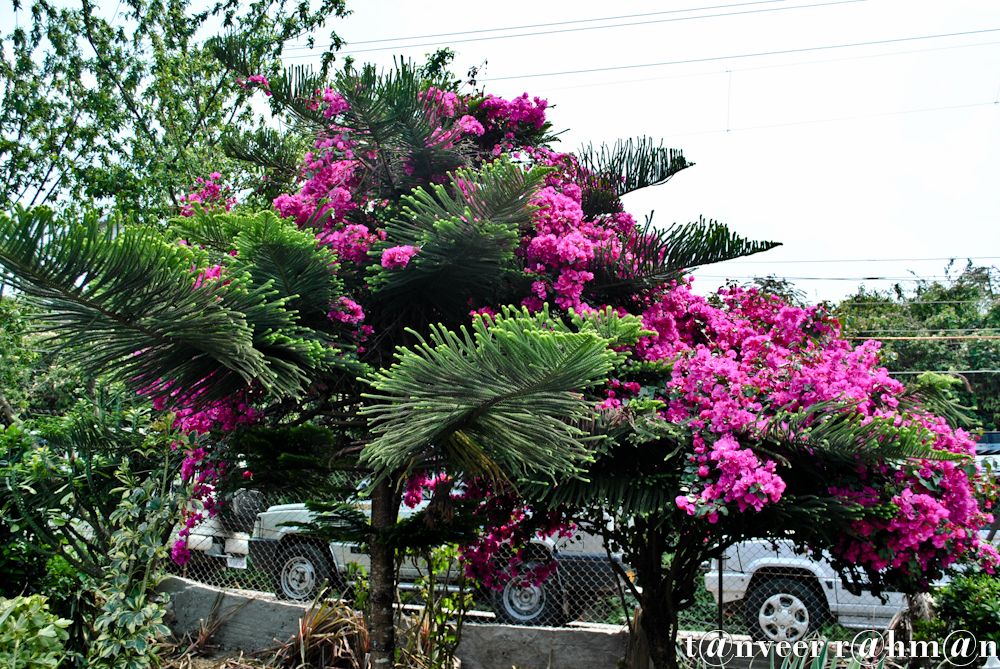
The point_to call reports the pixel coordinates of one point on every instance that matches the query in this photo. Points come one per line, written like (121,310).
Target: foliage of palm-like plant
(142,307)
(502,404)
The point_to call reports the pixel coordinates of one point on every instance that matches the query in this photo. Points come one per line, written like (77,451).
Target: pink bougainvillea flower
(398,256)
(180,553)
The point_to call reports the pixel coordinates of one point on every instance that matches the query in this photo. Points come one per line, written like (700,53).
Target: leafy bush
(30,635)
(972,603)
(93,493)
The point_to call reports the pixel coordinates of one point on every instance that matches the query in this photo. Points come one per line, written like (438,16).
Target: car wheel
(783,609)
(302,571)
(529,604)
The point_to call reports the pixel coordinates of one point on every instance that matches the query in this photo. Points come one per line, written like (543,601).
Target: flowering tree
(589,363)
(743,417)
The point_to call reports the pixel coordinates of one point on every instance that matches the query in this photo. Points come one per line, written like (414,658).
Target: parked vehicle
(299,565)
(787,595)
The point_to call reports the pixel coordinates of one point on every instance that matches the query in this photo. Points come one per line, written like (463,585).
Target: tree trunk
(659,621)
(658,618)
(382,579)
(637,652)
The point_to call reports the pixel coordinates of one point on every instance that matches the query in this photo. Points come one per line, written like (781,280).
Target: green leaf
(628,166)
(839,427)
(497,402)
(129,297)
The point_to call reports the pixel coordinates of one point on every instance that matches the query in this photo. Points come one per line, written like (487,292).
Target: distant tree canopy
(938,326)
(127,110)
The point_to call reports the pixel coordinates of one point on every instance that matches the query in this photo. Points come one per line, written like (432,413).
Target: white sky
(886,151)
(883,185)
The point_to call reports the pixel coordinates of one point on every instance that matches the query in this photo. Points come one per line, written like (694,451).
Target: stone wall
(256,621)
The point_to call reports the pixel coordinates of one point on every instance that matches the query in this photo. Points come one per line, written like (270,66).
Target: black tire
(302,571)
(518,604)
(783,609)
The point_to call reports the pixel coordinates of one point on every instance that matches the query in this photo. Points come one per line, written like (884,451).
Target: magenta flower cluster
(208,194)
(398,257)
(733,363)
(201,475)
(255,81)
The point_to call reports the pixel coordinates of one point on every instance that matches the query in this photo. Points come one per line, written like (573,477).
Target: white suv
(787,595)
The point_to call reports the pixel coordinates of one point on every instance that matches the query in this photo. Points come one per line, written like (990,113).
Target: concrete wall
(505,646)
(261,620)
(257,623)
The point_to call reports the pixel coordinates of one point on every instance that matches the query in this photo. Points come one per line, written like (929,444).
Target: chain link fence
(253,545)
(768,590)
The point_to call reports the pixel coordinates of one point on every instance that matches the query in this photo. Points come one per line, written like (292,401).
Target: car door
(865,611)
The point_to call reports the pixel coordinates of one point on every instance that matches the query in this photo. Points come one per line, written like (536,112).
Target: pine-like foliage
(498,402)
(131,298)
(932,393)
(278,154)
(628,166)
(637,467)
(837,428)
(466,234)
(635,471)
(274,253)
(295,91)
(652,257)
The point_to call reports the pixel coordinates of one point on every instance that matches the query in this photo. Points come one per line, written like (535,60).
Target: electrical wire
(835,120)
(769,67)
(745,55)
(929,338)
(906,304)
(570,30)
(952,371)
(848,260)
(829,278)
(932,330)
(546,25)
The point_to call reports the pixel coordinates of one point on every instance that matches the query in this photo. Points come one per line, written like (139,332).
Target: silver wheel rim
(783,617)
(523,602)
(298,577)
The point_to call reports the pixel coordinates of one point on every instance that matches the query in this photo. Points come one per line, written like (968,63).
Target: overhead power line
(730,70)
(570,30)
(906,304)
(830,278)
(837,119)
(932,330)
(843,260)
(929,338)
(556,23)
(952,371)
(744,55)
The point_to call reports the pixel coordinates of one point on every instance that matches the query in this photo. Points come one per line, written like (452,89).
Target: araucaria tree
(450,298)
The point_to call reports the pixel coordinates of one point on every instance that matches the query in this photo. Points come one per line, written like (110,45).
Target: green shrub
(30,635)
(972,603)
